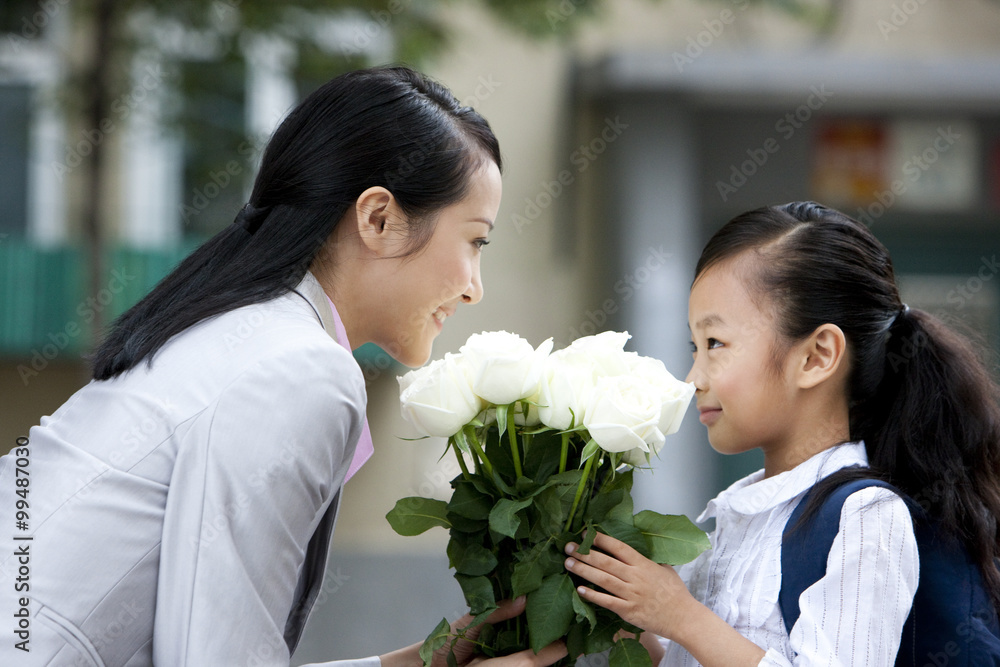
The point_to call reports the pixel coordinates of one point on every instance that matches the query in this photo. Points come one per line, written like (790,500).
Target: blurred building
(626,147)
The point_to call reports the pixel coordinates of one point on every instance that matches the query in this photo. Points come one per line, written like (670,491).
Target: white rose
(568,378)
(675,395)
(605,350)
(503,366)
(438,398)
(624,414)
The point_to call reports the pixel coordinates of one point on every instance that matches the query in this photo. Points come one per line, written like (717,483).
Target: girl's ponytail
(933,430)
(925,406)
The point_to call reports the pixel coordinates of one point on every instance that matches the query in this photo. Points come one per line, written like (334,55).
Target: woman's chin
(413,357)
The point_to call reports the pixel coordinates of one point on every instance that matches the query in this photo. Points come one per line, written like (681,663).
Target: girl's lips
(707,416)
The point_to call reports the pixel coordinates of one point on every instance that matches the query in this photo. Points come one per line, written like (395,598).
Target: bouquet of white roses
(546,442)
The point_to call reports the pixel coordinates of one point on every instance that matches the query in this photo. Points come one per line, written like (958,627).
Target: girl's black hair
(925,406)
(387,126)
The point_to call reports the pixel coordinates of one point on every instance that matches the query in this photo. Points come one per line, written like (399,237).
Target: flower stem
(512,436)
(461,463)
(579,490)
(565,452)
(480,454)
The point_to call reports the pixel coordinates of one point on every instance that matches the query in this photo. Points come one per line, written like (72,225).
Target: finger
(617,548)
(609,602)
(527,658)
(595,575)
(507,609)
(550,654)
(599,560)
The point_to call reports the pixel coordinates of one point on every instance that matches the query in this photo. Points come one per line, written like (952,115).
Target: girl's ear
(377,215)
(822,355)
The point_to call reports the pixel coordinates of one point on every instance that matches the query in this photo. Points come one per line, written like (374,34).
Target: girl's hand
(645,594)
(654,598)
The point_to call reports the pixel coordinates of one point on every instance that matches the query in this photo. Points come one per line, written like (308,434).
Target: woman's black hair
(387,126)
(925,406)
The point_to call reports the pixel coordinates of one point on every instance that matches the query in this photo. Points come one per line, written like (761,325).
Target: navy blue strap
(806,547)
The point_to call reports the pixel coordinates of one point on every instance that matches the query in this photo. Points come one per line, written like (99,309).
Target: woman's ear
(377,214)
(822,354)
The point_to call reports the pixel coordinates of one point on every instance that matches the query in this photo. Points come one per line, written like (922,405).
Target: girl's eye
(694,348)
(481,243)
(714,343)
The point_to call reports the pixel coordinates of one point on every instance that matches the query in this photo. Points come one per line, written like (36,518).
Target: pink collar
(365,447)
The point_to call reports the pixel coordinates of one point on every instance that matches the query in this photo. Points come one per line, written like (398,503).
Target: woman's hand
(465,650)
(645,594)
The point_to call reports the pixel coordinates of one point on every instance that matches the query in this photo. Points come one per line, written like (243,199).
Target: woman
(182,503)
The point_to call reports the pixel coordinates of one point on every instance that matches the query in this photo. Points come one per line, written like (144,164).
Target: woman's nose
(474,292)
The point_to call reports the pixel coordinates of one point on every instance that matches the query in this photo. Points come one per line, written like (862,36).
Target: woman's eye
(481,243)
(694,348)
(714,343)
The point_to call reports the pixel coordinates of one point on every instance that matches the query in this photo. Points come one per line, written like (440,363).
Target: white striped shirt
(853,616)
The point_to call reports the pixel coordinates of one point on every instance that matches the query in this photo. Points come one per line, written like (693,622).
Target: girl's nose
(696,376)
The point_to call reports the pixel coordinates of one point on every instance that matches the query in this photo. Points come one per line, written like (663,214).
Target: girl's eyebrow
(708,320)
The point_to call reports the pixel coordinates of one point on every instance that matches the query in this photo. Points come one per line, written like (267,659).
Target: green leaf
(542,457)
(576,639)
(629,653)
(589,450)
(583,610)
(604,502)
(471,559)
(478,592)
(602,637)
(502,419)
(498,452)
(553,505)
(672,539)
(504,518)
(482,483)
(469,502)
(550,611)
(540,561)
(461,443)
(467,526)
(414,515)
(434,641)
(588,540)
(627,533)
(478,620)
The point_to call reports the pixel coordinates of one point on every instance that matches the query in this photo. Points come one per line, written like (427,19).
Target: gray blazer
(181,513)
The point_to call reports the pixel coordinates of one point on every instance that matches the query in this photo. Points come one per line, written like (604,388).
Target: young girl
(803,349)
